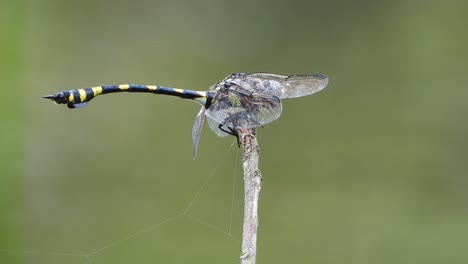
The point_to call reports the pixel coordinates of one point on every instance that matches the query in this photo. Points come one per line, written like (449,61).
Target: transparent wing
(283,86)
(215,127)
(236,107)
(197,129)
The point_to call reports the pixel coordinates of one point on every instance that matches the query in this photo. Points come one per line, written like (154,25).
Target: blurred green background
(371,170)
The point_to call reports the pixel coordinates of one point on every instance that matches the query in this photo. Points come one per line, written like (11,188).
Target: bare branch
(252,185)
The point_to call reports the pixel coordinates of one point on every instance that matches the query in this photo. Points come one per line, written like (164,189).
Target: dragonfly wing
(240,108)
(197,129)
(285,86)
(215,127)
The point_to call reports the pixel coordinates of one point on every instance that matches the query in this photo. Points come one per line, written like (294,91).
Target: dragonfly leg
(231,132)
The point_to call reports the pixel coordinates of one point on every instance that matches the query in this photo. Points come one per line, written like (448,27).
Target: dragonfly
(239,101)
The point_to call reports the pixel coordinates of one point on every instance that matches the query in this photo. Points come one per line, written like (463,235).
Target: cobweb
(176,222)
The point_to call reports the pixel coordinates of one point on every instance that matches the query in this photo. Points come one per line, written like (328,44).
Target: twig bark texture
(252,185)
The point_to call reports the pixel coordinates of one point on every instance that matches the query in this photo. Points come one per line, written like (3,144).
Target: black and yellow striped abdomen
(79,97)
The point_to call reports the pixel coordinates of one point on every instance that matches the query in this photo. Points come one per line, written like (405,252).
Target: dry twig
(252,185)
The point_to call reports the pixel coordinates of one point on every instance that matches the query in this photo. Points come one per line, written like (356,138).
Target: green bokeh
(12,113)
(371,170)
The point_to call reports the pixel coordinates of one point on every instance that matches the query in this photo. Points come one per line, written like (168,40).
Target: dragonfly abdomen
(79,97)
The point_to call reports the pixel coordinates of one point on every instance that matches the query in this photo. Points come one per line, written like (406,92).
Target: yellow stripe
(201,100)
(178,90)
(152,87)
(97,90)
(71,97)
(124,86)
(82,95)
